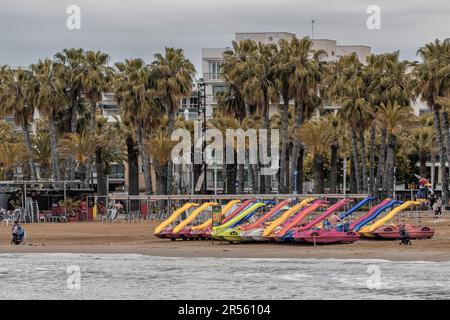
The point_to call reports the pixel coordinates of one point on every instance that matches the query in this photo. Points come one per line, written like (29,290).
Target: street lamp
(295,181)
(202,100)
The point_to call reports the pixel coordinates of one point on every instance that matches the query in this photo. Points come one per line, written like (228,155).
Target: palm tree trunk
(333,168)
(296,145)
(27,141)
(442,153)
(446,134)
(363,161)
(388,183)
(133,166)
(93,103)
(71,164)
(224,178)
(145,162)
(423,172)
(247,110)
(54,148)
(231,178)
(352,176)
(256,177)
(161,179)
(373,132)
(318,174)
(240,178)
(266,186)
(381,161)
(284,144)
(170,128)
(87,178)
(82,171)
(433,171)
(355,160)
(300,175)
(251,176)
(101,181)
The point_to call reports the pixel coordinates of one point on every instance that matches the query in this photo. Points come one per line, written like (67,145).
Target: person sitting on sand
(18,233)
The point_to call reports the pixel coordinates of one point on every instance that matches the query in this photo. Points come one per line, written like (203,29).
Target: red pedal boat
(326,236)
(414,232)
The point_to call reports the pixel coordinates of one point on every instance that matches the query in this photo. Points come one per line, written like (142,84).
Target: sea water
(131,276)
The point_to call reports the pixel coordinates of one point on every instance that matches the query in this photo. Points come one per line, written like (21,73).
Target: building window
(214,70)
(216,90)
(117,171)
(194,102)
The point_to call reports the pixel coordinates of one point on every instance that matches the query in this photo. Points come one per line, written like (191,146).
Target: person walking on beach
(433,199)
(438,207)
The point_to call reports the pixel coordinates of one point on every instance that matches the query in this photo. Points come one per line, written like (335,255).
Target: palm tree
(284,68)
(336,133)
(79,146)
(304,86)
(388,81)
(222,122)
(17,89)
(108,149)
(42,152)
(420,142)
(394,118)
(346,87)
(72,60)
(160,146)
(172,75)
(317,139)
(127,132)
(433,76)
(134,95)
(259,88)
(12,154)
(95,79)
(235,70)
(50,99)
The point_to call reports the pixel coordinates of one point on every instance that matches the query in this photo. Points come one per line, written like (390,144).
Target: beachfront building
(212,58)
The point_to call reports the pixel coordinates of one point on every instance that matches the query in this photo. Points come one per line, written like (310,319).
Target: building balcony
(117,176)
(212,77)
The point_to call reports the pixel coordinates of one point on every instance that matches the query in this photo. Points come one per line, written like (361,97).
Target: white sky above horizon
(30,30)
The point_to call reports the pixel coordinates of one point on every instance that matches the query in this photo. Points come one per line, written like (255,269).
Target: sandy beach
(97,237)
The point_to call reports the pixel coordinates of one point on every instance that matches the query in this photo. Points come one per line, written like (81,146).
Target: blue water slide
(356,207)
(248,216)
(376,214)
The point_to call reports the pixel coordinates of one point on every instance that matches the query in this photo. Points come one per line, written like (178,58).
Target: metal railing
(212,76)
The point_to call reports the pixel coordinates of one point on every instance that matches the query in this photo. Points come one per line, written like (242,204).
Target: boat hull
(326,236)
(414,232)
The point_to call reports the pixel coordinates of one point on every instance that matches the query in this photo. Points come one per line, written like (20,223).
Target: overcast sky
(33,29)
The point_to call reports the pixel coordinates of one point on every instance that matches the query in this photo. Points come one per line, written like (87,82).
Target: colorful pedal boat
(414,232)
(325,236)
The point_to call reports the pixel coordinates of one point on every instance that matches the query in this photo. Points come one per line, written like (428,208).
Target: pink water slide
(259,222)
(335,207)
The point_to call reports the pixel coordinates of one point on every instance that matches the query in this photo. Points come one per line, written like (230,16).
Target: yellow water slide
(229,206)
(174,215)
(382,221)
(294,209)
(193,215)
